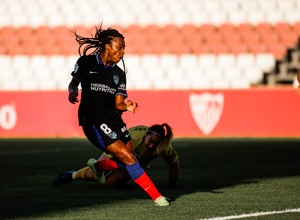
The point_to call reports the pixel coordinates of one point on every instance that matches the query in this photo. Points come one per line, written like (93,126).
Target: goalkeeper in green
(149,143)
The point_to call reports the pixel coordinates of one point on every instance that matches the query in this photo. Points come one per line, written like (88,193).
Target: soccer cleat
(99,175)
(62,178)
(161,201)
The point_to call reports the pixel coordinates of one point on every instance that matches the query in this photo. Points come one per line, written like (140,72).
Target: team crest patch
(116,79)
(112,135)
(206,110)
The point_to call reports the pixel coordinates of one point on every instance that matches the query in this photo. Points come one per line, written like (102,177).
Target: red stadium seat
(24,32)
(172,37)
(193,39)
(132,30)
(296,28)
(244,28)
(158,43)
(226,28)
(3,51)
(32,50)
(250,38)
(67,46)
(234,37)
(150,39)
(14,49)
(270,38)
(201,49)
(257,48)
(282,27)
(9,41)
(134,44)
(263,27)
(278,50)
(115,26)
(45,40)
(30,45)
(179,49)
(43,31)
(151,29)
(171,29)
(289,39)
(61,30)
(161,49)
(220,49)
(188,29)
(81,30)
(207,29)
(213,39)
(237,48)
(7,31)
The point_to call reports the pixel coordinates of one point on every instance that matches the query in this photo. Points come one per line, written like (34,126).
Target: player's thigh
(122,152)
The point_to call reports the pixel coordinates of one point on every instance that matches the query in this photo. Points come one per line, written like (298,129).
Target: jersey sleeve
(122,86)
(78,69)
(137,133)
(170,155)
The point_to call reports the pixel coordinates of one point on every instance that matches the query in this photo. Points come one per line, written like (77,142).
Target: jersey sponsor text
(102,88)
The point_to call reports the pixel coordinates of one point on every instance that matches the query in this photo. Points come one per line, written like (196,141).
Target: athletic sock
(107,164)
(80,174)
(140,177)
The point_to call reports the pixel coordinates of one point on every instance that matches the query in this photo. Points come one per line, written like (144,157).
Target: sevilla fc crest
(206,109)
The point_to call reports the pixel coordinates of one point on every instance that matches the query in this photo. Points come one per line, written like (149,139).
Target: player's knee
(128,158)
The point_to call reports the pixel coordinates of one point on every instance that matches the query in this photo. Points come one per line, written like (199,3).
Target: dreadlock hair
(164,131)
(97,42)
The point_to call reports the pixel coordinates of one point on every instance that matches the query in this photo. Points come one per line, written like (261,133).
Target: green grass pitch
(218,178)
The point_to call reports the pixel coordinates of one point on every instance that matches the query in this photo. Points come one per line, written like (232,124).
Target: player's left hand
(131,106)
(73,97)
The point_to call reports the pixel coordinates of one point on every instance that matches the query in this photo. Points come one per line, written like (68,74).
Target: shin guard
(140,177)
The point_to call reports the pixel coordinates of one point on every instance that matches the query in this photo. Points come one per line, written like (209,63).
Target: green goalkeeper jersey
(137,134)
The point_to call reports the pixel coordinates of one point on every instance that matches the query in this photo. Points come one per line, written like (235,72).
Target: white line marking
(253,214)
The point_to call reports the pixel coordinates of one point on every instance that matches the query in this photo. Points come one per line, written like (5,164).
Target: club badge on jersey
(116,79)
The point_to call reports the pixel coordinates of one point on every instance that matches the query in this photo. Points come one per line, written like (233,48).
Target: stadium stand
(172,45)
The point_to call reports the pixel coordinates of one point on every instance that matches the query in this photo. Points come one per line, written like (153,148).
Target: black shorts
(105,134)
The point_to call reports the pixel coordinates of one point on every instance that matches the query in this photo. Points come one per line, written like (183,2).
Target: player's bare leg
(136,172)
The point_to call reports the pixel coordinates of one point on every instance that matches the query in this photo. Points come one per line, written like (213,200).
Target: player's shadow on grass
(210,165)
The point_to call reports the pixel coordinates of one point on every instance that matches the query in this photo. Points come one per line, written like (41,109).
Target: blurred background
(170,44)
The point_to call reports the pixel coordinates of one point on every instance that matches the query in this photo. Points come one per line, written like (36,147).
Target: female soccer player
(102,103)
(149,143)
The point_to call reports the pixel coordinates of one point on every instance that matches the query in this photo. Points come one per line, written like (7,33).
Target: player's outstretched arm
(73,91)
(173,175)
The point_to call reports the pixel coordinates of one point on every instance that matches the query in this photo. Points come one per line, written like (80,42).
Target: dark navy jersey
(100,85)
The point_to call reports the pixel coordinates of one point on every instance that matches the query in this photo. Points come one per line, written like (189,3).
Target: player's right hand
(73,97)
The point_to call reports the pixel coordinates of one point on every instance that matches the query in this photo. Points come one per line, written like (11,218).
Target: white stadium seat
(245,60)
(213,68)
(265,61)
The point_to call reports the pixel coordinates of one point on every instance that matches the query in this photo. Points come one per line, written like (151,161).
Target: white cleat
(99,175)
(161,201)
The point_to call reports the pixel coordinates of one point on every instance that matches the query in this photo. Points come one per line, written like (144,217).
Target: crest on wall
(206,109)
